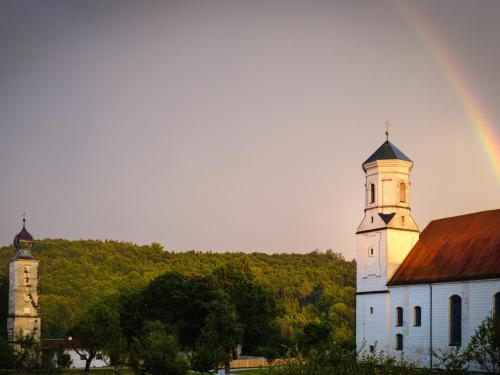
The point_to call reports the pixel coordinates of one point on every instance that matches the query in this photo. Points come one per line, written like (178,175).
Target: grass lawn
(105,371)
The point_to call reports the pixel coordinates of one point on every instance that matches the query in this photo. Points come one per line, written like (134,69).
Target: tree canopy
(76,275)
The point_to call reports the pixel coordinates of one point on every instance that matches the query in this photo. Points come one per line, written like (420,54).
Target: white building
(76,355)
(417,291)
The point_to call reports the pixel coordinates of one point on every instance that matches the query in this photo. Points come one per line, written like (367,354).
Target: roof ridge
(463,215)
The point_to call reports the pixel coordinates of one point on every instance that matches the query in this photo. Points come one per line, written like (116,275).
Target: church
(420,292)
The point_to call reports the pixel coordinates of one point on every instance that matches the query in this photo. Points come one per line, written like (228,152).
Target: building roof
(387,151)
(457,248)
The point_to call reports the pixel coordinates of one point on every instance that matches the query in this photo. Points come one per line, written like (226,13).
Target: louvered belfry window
(455,320)
(402,192)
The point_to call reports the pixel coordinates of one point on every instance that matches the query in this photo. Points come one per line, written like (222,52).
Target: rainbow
(476,116)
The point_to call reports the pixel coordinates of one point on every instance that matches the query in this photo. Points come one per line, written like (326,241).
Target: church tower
(384,238)
(23,318)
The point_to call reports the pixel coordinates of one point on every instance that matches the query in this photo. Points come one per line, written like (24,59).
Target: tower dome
(23,242)
(387,151)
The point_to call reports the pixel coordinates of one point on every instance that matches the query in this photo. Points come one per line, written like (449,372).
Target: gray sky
(235,125)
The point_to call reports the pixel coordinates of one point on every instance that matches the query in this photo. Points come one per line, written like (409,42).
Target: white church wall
(415,338)
(371,321)
(399,244)
(371,269)
(477,302)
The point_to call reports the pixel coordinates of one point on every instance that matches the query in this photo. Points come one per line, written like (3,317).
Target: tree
(218,338)
(453,360)
(156,352)
(27,353)
(96,332)
(484,345)
(256,307)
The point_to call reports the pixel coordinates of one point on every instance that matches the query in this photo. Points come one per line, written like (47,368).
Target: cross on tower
(387,129)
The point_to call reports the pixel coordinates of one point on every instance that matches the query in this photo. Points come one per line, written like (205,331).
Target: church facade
(420,292)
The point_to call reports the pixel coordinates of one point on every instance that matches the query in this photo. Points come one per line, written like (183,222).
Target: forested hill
(74,275)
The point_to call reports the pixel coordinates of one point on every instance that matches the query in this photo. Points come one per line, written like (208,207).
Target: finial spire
(387,130)
(24,218)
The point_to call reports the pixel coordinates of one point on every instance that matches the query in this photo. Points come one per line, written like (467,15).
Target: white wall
(76,362)
(372,328)
(477,302)
(371,270)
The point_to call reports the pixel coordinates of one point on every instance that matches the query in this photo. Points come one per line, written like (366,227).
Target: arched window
(455,320)
(372,193)
(497,305)
(402,192)
(399,341)
(417,320)
(399,316)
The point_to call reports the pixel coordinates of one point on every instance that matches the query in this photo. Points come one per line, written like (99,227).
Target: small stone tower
(385,236)
(23,318)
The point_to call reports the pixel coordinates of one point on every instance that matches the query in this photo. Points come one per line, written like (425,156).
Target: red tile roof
(457,248)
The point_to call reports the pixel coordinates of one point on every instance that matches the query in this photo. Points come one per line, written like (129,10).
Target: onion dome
(23,240)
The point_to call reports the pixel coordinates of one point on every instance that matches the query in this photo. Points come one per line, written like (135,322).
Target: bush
(157,352)
(484,346)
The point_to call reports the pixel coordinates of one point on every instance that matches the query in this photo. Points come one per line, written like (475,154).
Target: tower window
(372,348)
(371,252)
(402,192)
(399,341)
(371,310)
(372,193)
(455,320)
(497,305)
(417,319)
(399,316)
(372,219)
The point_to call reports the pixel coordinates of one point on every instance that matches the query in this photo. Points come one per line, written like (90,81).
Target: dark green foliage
(78,274)
(218,338)
(7,358)
(454,360)
(4,306)
(54,358)
(156,352)
(484,345)
(334,359)
(27,353)
(92,271)
(255,306)
(98,332)
(179,302)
